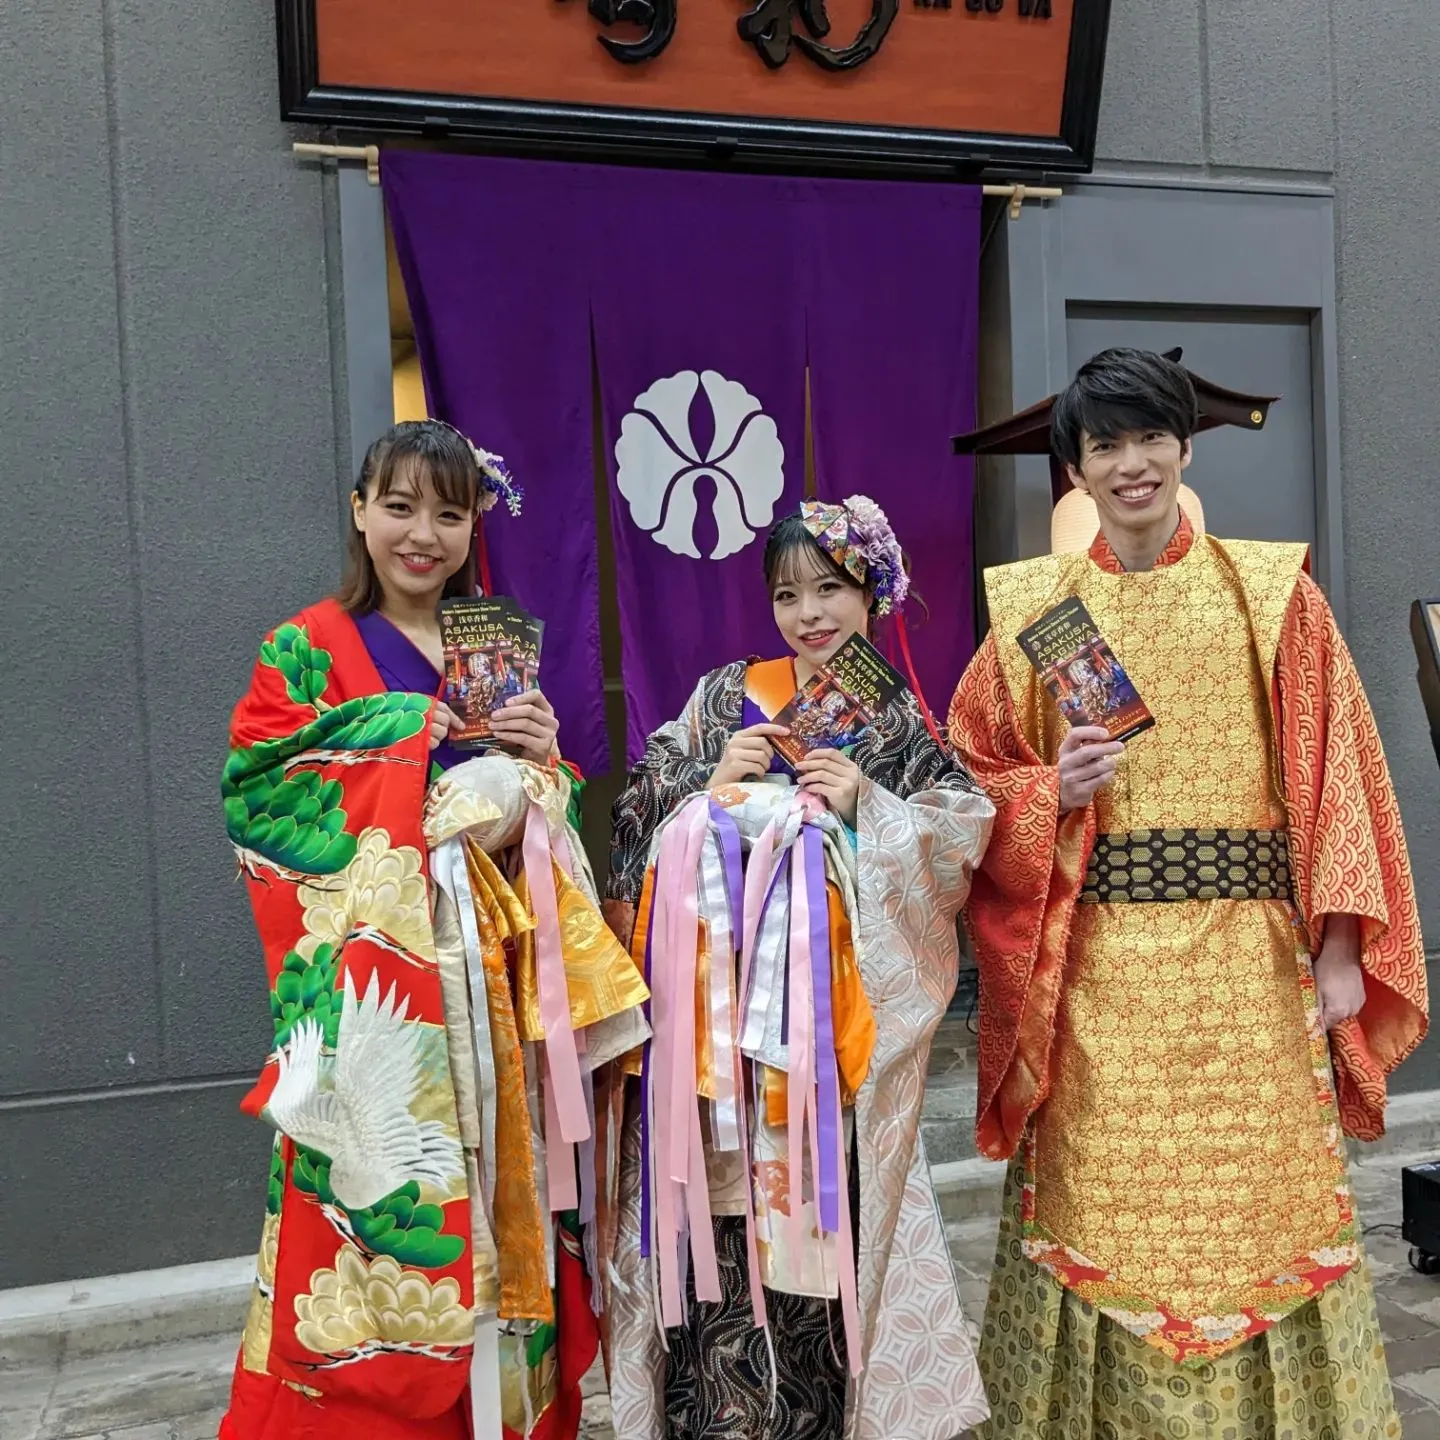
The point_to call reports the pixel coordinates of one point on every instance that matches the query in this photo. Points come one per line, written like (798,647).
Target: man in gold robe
(1200,957)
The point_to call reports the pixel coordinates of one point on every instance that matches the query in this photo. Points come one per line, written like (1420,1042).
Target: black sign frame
(669,137)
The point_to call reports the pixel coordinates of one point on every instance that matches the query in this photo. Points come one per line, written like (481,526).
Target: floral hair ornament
(496,481)
(496,484)
(858,538)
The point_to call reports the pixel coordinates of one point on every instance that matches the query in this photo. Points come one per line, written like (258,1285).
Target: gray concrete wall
(1342,93)
(168,486)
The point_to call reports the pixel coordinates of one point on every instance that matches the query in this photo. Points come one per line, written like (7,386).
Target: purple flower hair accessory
(496,481)
(858,537)
(870,533)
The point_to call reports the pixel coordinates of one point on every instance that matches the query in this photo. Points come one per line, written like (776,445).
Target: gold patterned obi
(1184,1170)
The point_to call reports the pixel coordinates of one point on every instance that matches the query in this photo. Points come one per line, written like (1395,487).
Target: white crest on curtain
(658,463)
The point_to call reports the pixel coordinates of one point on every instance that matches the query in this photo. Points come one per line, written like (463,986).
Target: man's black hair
(1119,391)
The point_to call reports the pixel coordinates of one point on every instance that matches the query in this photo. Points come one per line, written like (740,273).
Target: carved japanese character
(656,17)
(770,26)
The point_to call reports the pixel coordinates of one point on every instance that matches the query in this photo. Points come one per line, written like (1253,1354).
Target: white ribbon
(720,928)
(485,1380)
(451,873)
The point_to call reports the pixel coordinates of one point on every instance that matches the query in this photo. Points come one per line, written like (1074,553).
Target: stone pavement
(176,1390)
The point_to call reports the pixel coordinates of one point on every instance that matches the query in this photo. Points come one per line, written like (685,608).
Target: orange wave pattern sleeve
(1021,901)
(1347,850)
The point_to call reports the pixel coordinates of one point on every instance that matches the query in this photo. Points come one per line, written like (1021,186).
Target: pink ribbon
(702,1231)
(560,1168)
(800,1085)
(565,1096)
(681,936)
(682,1189)
(662,1043)
(727,908)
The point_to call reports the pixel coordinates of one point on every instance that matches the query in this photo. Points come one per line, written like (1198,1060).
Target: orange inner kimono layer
(853,1019)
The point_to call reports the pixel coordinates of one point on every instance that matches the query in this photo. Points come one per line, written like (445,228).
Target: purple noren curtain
(707,295)
(701,349)
(501,308)
(893,316)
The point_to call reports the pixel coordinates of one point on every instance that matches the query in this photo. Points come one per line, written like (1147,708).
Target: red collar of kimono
(1176,549)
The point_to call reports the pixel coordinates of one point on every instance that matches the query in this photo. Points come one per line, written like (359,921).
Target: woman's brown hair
(409,452)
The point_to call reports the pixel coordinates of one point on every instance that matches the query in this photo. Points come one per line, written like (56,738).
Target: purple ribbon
(728,834)
(826,1078)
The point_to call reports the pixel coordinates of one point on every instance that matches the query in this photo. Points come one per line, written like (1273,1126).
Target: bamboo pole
(1016,194)
(370,154)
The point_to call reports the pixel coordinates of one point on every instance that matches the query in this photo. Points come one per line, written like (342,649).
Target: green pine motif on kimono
(399,1225)
(296,820)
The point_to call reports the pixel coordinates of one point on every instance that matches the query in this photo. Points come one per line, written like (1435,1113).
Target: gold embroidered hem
(1057,1368)
(1255,1280)
(1186,1173)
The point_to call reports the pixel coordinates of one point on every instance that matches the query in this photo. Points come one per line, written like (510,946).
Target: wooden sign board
(882,86)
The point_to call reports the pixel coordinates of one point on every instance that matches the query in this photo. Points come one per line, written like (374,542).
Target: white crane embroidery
(361,1120)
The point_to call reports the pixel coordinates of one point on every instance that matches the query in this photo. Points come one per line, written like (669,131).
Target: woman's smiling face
(416,538)
(817,607)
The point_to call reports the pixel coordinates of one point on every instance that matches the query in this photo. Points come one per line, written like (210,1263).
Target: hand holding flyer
(832,709)
(835,778)
(492,655)
(1082,672)
(1087,763)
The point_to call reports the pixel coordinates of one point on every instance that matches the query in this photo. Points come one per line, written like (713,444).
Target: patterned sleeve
(1348,850)
(677,762)
(900,753)
(1021,901)
(316,789)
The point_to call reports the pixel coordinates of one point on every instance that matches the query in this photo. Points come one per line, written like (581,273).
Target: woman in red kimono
(386,1295)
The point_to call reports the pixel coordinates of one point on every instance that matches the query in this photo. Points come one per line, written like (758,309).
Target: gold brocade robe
(1185,1173)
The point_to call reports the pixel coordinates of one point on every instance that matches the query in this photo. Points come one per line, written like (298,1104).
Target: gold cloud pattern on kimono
(358,1304)
(259,1320)
(383,886)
